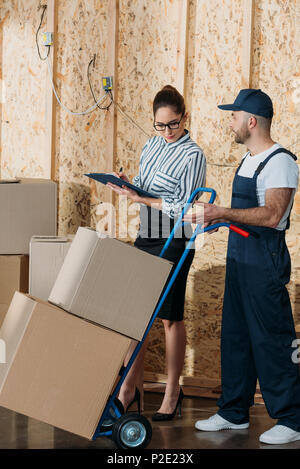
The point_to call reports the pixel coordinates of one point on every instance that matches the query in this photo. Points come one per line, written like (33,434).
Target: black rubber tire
(132,431)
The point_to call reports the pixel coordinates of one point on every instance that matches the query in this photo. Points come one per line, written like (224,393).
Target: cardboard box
(13,276)
(46,256)
(110,282)
(27,208)
(60,369)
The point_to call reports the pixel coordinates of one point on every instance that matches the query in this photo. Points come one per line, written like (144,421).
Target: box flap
(13,329)
(46,260)
(49,239)
(73,268)
(9,181)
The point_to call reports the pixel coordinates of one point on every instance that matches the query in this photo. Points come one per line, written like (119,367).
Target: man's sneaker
(216,423)
(279,435)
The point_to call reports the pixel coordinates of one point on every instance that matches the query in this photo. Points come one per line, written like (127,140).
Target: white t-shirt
(280,171)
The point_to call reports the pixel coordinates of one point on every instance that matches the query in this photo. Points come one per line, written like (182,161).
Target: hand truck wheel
(132,431)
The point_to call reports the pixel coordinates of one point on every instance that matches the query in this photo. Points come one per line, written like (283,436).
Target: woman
(172,166)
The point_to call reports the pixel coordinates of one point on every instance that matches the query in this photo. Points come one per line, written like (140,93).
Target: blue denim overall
(257,324)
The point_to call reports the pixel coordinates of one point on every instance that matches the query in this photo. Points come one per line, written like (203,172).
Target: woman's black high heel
(137,398)
(161,417)
(108,424)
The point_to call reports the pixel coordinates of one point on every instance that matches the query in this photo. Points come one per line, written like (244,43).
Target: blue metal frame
(198,230)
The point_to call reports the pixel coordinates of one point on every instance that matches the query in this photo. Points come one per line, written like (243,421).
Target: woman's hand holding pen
(124,190)
(122,175)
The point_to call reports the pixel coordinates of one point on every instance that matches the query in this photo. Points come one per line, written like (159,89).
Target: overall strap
(263,163)
(240,165)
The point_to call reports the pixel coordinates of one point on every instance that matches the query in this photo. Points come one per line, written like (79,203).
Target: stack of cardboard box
(27,208)
(64,355)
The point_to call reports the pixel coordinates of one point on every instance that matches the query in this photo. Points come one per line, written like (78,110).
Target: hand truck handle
(239,230)
(185,209)
(232,227)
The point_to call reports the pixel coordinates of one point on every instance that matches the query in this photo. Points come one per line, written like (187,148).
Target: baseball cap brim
(229,107)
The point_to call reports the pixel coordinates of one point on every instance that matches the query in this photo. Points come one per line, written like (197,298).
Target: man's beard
(242,135)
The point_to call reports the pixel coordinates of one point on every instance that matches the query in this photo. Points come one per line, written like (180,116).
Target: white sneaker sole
(278,442)
(231,426)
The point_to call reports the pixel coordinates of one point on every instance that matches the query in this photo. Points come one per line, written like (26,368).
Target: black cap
(253,101)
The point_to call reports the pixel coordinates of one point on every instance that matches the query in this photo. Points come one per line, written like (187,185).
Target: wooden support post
(2,83)
(249,6)
(1,86)
(50,98)
(181,59)
(113,21)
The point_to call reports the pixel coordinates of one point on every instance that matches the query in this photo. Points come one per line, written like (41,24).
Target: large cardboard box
(27,208)
(59,368)
(46,256)
(110,282)
(13,276)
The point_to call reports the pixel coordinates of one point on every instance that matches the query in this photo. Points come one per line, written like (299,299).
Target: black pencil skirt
(173,306)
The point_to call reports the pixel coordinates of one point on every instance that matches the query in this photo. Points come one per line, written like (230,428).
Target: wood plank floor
(17,431)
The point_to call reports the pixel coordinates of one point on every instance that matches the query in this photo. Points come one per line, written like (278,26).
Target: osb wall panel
(214,68)
(215,30)
(146,62)
(2,87)
(23,75)
(276,70)
(80,140)
(214,45)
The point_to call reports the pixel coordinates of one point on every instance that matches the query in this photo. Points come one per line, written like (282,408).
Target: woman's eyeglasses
(171,125)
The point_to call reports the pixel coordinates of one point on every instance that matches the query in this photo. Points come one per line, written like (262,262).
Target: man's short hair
(263,122)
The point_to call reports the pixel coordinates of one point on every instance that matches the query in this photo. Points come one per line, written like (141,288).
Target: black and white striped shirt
(172,171)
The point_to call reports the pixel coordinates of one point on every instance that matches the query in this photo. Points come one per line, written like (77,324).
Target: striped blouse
(172,171)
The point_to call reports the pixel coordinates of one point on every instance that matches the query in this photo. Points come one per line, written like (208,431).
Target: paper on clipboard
(104,178)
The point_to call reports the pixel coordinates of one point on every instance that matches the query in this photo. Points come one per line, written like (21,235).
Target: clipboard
(104,178)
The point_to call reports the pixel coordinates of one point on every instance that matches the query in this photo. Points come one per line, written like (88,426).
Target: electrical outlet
(47,39)
(107,83)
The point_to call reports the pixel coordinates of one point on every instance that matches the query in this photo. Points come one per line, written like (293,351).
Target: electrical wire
(82,113)
(112,101)
(105,108)
(123,113)
(88,111)
(36,35)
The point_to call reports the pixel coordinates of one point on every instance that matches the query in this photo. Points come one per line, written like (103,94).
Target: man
(257,324)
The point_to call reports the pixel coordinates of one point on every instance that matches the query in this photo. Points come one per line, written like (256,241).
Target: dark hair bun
(168,96)
(169,88)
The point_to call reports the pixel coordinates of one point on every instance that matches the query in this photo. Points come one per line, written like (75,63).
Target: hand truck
(132,430)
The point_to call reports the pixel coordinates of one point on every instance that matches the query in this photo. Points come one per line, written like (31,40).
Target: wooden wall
(209,50)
